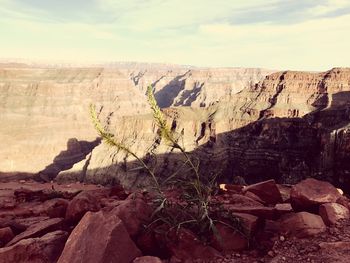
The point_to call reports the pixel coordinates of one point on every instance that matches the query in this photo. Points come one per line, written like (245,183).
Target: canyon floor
(50,222)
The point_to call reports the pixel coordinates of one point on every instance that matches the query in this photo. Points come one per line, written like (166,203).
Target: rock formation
(118,226)
(288,126)
(45,119)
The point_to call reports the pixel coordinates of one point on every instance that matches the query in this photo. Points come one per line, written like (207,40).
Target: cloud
(288,34)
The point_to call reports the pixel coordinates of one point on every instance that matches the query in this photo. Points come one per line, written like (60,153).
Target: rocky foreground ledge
(307,222)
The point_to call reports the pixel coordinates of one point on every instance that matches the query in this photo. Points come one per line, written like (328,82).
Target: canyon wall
(46,127)
(195,87)
(45,110)
(289,126)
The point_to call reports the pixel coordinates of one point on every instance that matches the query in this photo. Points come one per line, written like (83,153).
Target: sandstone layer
(288,126)
(45,119)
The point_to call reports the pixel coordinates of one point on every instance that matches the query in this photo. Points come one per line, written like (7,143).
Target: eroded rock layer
(45,122)
(289,126)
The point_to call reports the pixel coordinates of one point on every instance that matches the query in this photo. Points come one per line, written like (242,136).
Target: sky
(275,34)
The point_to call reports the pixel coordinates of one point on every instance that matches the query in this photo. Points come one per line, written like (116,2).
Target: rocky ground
(307,222)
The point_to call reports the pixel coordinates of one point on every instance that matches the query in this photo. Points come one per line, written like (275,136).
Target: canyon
(251,123)
(256,135)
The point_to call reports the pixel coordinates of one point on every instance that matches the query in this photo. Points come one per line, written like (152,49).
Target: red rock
(80,204)
(28,195)
(266,191)
(14,225)
(340,245)
(52,208)
(283,208)
(110,202)
(260,211)
(99,238)
(21,210)
(147,242)
(38,230)
(29,221)
(229,239)
(239,200)
(133,212)
(302,224)
(254,197)
(249,223)
(45,249)
(272,226)
(186,246)
(119,192)
(6,235)
(268,235)
(285,192)
(310,193)
(147,259)
(332,212)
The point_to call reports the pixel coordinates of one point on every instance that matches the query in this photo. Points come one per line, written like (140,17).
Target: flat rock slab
(99,238)
(38,230)
(302,224)
(266,191)
(45,249)
(311,193)
(259,211)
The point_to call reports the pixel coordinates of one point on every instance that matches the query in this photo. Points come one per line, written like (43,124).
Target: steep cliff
(42,109)
(289,126)
(45,119)
(195,87)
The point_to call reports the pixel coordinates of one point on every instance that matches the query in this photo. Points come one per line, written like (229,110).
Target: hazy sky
(276,34)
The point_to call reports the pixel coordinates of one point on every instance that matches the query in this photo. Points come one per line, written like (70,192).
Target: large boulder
(310,193)
(333,212)
(99,238)
(38,229)
(45,249)
(133,212)
(302,224)
(266,191)
(80,204)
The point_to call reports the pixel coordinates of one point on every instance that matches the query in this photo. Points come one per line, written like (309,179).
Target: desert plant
(192,206)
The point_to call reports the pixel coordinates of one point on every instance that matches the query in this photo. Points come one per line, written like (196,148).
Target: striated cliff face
(195,87)
(42,109)
(46,125)
(289,126)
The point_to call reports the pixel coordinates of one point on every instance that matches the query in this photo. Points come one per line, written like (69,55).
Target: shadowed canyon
(251,123)
(272,146)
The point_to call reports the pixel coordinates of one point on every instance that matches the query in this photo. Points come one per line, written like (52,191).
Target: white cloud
(329,7)
(184,32)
